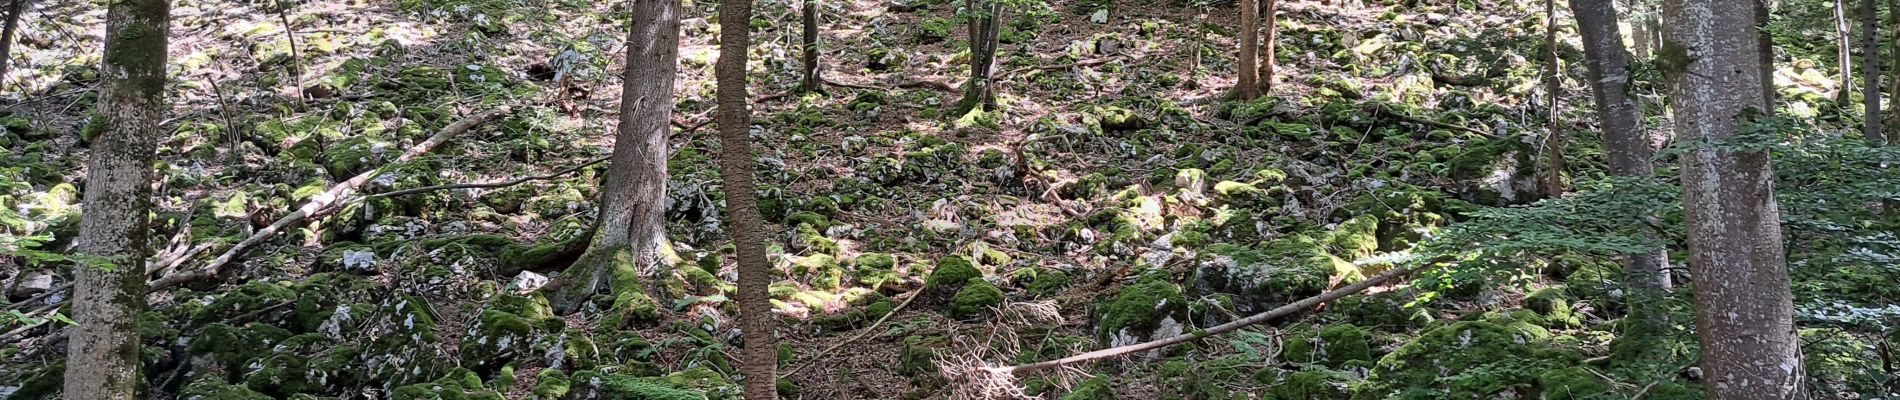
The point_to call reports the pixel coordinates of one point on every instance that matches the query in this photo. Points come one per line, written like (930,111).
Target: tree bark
(1247,85)
(1644,274)
(1893,71)
(759,358)
(103,350)
(629,233)
(811,82)
(984,33)
(1553,87)
(1765,41)
(14,8)
(1844,56)
(1870,73)
(1744,307)
(1271,17)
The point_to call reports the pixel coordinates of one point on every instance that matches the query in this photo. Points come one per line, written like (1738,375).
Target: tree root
(1269,315)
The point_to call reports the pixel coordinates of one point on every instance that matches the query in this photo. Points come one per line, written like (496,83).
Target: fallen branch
(323,204)
(867,332)
(914,84)
(487,185)
(1270,315)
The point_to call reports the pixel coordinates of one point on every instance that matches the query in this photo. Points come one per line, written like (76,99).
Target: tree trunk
(629,237)
(756,321)
(1641,39)
(103,350)
(1553,87)
(1744,307)
(984,32)
(14,8)
(1644,274)
(1272,22)
(1893,73)
(1845,56)
(1247,86)
(1766,44)
(1870,76)
(811,83)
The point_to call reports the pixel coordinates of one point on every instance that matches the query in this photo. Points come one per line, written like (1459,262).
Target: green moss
(1140,308)
(976,297)
(1554,305)
(212,388)
(631,304)
(552,384)
(1574,383)
(1095,388)
(1357,237)
(1333,346)
(1048,282)
(1470,359)
(821,270)
(1309,385)
(808,238)
(951,274)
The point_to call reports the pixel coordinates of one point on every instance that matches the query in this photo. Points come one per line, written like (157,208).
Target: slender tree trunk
(1248,87)
(1744,306)
(756,321)
(629,236)
(1870,66)
(984,32)
(14,8)
(103,350)
(1844,55)
(811,82)
(1629,152)
(1553,87)
(1893,72)
(1765,42)
(1640,37)
(1272,22)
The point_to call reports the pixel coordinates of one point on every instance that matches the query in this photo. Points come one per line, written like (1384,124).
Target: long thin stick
(325,203)
(1275,313)
(867,332)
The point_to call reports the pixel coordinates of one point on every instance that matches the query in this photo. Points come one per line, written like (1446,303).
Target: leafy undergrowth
(1119,201)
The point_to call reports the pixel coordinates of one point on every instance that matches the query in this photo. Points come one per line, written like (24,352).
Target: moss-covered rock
(1312,384)
(1048,281)
(976,297)
(1334,346)
(1574,383)
(1149,309)
(460,384)
(1093,389)
(1470,359)
(697,383)
(1282,271)
(951,274)
(1495,172)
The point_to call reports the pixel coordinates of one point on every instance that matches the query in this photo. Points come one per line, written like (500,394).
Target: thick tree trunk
(1870,76)
(1641,39)
(1644,274)
(629,233)
(984,33)
(811,82)
(1744,308)
(1247,86)
(1843,54)
(759,358)
(103,350)
(1553,87)
(1271,17)
(14,8)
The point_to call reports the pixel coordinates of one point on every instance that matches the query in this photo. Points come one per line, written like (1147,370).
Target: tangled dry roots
(970,363)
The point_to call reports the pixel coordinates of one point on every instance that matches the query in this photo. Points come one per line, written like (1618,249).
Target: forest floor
(1118,195)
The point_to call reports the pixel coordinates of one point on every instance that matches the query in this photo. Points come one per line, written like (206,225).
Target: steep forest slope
(1118,195)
